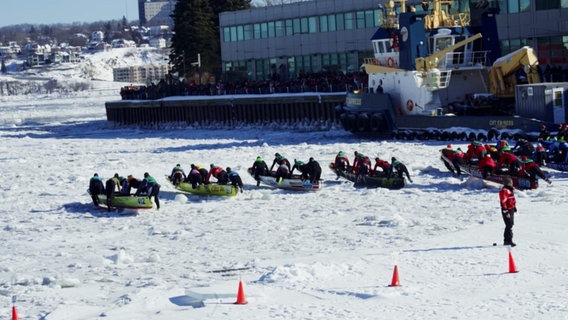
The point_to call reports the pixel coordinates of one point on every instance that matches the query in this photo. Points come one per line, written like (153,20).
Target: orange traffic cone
(395,280)
(14,313)
(241,295)
(512,266)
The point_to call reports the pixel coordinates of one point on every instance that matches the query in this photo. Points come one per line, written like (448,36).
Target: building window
(513,6)
(525,5)
(323,24)
(332,23)
(304,25)
(297,28)
(271,30)
(312,25)
(264,30)
(370,19)
(289,27)
(256,28)
(547,5)
(246,32)
(349,17)
(340,21)
(360,19)
(240,33)
(227,34)
(279,28)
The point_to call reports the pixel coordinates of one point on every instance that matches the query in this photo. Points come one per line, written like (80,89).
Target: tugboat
(431,72)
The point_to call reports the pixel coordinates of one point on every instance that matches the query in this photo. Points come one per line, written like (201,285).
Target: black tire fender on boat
(492,134)
(471,136)
(351,119)
(344,119)
(481,136)
(339,111)
(362,122)
(435,134)
(376,122)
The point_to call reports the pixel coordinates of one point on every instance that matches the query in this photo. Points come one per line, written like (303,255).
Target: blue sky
(66,11)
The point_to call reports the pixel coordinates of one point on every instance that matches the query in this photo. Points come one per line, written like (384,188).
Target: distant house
(97,36)
(122,43)
(10,51)
(99,46)
(140,74)
(157,43)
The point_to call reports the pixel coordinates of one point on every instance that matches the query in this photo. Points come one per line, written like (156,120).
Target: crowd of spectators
(306,82)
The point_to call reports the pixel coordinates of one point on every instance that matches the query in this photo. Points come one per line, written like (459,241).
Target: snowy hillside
(77,76)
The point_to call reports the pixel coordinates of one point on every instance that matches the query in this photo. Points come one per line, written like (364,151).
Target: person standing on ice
(235,179)
(487,166)
(194,177)
(384,165)
(282,172)
(314,170)
(400,168)
(151,187)
(279,160)
(508,209)
(259,168)
(341,162)
(177,175)
(112,187)
(302,167)
(96,187)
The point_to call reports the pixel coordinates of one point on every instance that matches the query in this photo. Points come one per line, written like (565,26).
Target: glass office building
(334,35)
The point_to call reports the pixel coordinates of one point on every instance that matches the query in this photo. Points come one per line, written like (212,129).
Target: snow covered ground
(323,255)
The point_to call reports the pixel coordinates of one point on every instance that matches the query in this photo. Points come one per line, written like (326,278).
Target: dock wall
(228,111)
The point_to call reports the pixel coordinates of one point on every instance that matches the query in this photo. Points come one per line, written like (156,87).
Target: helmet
(146,174)
(192,166)
(116,175)
(259,158)
(277,154)
(377,159)
(96,174)
(178,165)
(228,169)
(449,146)
(121,178)
(311,159)
(394,159)
(212,165)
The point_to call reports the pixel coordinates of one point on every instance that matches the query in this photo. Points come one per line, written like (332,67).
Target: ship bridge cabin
(460,57)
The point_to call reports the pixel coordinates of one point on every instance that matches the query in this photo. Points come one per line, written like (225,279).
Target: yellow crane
(503,77)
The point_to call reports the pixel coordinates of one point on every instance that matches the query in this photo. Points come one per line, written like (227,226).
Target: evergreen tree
(196,31)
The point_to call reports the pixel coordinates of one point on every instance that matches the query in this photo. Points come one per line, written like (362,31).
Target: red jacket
(486,162)
(213,172)
(457,154)
(526,167)
(507,158)
(507,198)
(381,164)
